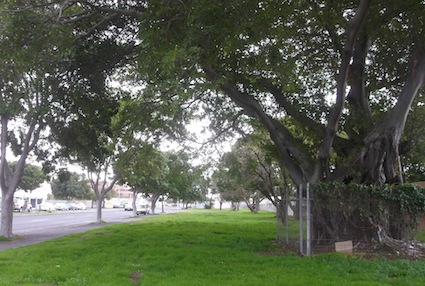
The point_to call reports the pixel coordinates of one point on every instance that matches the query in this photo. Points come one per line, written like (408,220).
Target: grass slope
(199,247)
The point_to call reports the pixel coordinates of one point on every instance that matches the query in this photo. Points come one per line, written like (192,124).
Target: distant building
(123,192)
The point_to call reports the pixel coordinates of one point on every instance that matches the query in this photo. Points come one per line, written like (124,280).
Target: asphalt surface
(44,227)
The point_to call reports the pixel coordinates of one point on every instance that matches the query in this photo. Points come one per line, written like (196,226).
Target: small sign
(344,247)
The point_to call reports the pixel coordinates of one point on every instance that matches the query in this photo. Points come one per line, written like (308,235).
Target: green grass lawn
(197,247)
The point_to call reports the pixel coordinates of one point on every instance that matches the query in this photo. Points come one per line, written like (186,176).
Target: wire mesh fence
(294,226)
(293,223)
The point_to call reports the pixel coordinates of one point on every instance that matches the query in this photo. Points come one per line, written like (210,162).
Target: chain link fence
(293,223)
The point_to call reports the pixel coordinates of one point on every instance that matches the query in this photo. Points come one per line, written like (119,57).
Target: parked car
(72,206)
(142,209)
(46,207)
(81,206)
(118,204)
(61,207)
(128,207)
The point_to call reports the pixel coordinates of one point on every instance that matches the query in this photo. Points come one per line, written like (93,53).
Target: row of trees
(147,171)
(160,174)
(58,104)
(331,82)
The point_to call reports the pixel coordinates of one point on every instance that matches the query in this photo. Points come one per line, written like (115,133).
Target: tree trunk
(99,209)
(9,181)
(234,206)
(101,192)
(250,206)
(6,214)
(154,199)
(153,206)
(379,159)
(133,203)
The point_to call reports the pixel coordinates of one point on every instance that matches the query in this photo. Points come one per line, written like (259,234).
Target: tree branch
(280,98)
(335,114)
(297,164)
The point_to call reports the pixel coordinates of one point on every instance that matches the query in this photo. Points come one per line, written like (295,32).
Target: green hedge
(347,211)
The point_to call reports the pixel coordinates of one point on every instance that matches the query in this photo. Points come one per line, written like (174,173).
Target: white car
(128,207)
(81,206)
(61,207)
(48,207)
(142,209)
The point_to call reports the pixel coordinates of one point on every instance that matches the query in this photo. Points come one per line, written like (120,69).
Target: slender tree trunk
(5,178)
(154,199)
(100,188)
(99,209)
(153,206)
(133,202)
(9,181)
(6,214)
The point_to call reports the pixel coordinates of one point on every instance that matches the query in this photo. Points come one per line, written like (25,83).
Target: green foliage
(284,57)
(276,60)
(32,177)
(86,138)
(410,199)
(420,235)
(250,172)
(71,186)
(185,181)
(197,247)
(139,165)
(151,114)
(412,146)
(396,208)
(227,180)
(155,173)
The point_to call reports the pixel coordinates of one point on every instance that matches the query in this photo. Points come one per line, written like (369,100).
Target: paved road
(38,227)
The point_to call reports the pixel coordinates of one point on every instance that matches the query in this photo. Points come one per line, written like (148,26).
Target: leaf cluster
(412,146)
(253,168)
(32,177)
(139,165)
(69,186)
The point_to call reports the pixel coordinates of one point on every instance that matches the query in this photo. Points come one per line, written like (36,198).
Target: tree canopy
(70,186)
(299,60)
(346,71)
(32,177)
(332,82)
(30,51)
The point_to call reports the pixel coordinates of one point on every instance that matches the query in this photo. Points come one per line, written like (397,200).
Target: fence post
(308,220)
(287,214)
(278,221)
(300,212)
